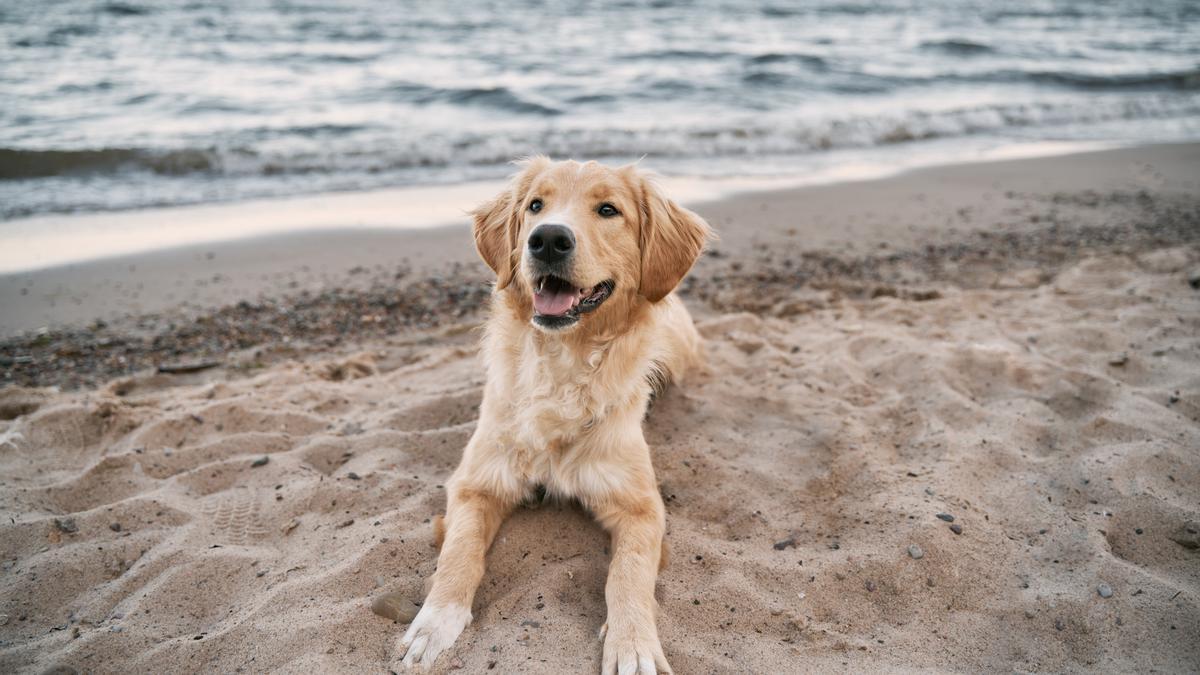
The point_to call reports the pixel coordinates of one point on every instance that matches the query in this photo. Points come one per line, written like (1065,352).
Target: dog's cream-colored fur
(563,409)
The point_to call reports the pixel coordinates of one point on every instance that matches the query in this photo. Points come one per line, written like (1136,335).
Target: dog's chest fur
(558,402)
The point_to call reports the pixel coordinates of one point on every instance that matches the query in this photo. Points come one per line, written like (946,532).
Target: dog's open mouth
(556,302)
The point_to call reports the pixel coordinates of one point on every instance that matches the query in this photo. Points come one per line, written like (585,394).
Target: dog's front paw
(435,628)
(632,651)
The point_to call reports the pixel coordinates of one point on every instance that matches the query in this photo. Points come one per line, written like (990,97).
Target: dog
(583,323)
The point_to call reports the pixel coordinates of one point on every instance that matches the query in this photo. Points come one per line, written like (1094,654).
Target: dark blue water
(122,104)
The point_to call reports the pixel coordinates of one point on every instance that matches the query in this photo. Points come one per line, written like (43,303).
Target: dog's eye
(535,206)
(608,210)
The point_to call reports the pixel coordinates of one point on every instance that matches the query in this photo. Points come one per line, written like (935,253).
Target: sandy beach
(950,421)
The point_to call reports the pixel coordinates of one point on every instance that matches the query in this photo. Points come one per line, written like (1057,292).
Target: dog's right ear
(498,222)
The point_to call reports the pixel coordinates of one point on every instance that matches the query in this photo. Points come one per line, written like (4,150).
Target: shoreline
(47,241)
(203,276)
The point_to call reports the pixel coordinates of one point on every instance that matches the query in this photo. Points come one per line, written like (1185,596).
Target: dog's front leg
(636,519)
(472,518)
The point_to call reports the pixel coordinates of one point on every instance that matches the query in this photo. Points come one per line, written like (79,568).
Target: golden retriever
(583,324)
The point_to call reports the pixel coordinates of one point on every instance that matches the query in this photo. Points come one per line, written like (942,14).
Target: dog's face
(573,241)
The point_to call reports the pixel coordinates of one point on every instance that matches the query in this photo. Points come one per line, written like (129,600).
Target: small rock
(1104,590)
(1188,535)
(291,525)
(396,607)
(531,624)
(1059,625)
(916,552)
(353,476)
(116,629)
(946,517)
(66,525)
(346,523)
(1029,614)
(261,461)
(870,586)
(115,527)
(3,619)
(1194,279)
(956,528)
(260,573)
(456,663)
(784,543)
(1119,360)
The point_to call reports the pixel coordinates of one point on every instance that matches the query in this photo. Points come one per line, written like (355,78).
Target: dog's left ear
(672,238)
(498,222)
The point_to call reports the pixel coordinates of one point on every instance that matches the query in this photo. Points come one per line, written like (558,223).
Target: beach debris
(395,606)
(186,367)
(946,517)
(785,543)
(261,461)
(291,525)
(956,528)
(66,525)
(1104,590)
(915,552)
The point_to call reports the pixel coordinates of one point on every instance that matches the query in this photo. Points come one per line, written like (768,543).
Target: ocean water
(119,104)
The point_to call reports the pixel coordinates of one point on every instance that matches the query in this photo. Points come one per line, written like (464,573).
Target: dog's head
(572,240)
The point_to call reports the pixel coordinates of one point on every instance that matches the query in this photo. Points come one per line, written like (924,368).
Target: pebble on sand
(395,606)
(946,517)
(66,525)
(784,543)
(1104,590)
(956,528)
(261,461)
(916,552)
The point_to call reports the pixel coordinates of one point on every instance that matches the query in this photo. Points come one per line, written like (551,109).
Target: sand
(1054,412)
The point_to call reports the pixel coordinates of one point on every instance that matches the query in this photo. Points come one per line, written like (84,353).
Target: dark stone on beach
(1194,279)
(67,525)
(956,528)
(784,543)
(115,527)
(1119,360)
(261,461)
(1059,624)
(916,552)
(353,476)
(946,517)
(1104,590)
(184,368)
(870,586)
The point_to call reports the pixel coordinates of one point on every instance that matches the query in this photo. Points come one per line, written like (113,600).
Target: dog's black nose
(551,243)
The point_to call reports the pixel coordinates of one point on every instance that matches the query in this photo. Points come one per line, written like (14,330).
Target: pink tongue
(554,303)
